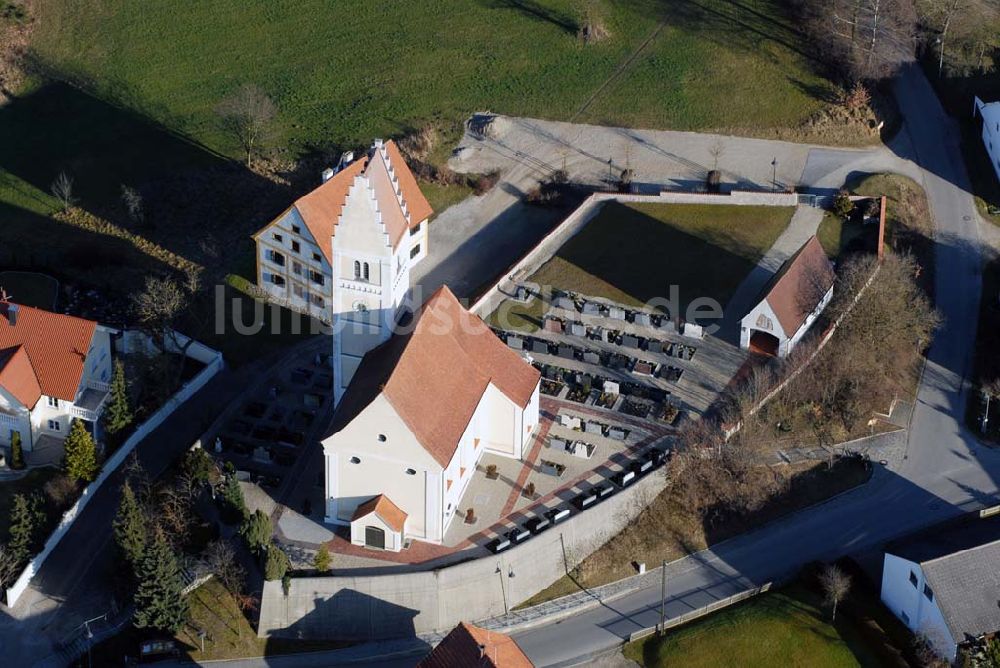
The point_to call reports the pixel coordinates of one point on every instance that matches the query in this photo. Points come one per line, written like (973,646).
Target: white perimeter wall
(923,616)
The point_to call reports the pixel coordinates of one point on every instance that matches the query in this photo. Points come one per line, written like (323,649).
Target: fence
(212,367)
(700,612)
(583,214)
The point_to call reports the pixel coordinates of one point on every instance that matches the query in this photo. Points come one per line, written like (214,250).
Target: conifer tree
(26,518)
(16,452)
(118,414)
(81,453)
(159,601)
(130,528)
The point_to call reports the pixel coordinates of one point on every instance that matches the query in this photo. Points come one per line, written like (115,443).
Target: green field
(343,72)
(786,628)
(633,253)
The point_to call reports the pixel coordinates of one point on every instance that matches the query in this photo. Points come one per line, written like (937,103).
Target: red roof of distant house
(382,506)
(320,209)
(436,376)
(55,346)
(800,284)
(469,646)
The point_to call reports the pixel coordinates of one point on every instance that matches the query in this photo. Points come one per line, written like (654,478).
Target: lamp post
(774,173)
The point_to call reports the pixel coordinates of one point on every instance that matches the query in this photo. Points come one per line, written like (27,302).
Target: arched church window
(357,270)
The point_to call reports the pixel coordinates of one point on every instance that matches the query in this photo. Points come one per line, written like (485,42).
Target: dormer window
(53,402)
(410,472)
(381,438)
(355,460)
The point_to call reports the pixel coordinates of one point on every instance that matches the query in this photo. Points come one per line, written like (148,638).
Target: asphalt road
(945,471)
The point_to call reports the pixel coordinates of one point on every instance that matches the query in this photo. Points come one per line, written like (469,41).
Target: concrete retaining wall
(383,606)
(214,364)
(583,214)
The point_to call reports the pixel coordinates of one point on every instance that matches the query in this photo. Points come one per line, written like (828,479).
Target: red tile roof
(382,506)
(800,284)
(18,377)
(469,646)
(56,346)
(320,209)
(435,376)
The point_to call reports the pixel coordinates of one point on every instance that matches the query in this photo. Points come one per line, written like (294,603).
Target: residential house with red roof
(53,368)
(790,302)
(421,410)
(468,646)
(344,251)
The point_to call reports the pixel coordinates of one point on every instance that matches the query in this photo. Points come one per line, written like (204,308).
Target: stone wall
(385,606)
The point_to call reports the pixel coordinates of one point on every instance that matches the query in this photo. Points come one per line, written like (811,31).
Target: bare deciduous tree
(158,308)
(62,190)
(836,583)
(249,114)
(962,31)
(8,566)
(132,200)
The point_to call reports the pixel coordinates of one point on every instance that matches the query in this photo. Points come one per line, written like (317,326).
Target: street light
(774,173)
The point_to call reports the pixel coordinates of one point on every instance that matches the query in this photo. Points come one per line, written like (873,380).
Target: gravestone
(566,351)
(571,422)
(616,433)
(558,443)
(515,343)
(630,341)
(591,308)
(594,427)
(644,368)
(642,319)
(654,346)
(616,313)
(540,347)
(611,387)
(566,303)
(577,329)
(667,325)
(693,331)
(553,325)
(591,357)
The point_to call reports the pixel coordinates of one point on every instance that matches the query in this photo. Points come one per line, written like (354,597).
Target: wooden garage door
(375,537)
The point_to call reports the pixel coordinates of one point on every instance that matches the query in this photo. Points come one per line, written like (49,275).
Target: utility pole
(663,595)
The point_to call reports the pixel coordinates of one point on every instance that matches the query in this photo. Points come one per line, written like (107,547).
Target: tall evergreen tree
(256,531)
(81,453)
(118,413)
(159,601)
(234,506)
(26,519)
(130,528)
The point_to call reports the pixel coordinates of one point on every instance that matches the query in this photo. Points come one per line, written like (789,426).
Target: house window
(410,472)
(296,247)
(277,258)
(53,402)
(928,592)
(415,229)
(316,277)
(366,271)
(355,460)
(415,251)
(277,280)
(54,425)
(913,578)
(298,291)
(296,268)
(316,257)
(277,237)
(317,300)
(357,270)
(296,229)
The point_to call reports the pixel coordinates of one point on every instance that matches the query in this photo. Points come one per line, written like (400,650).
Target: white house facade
(942,584)
(421,411)
(53,368)
(989,113)
(343,252)
(790,302)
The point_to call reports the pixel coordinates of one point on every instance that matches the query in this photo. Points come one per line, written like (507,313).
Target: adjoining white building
(944,583)
(53,368)
(989,113)
(343,252)
(790,302)
(422,409)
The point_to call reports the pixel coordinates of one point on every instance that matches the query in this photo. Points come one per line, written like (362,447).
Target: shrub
(199,465)
(234,507)
(321,562)
(485,182)
(842,204)
(61,491)
(16,452)
(276,564)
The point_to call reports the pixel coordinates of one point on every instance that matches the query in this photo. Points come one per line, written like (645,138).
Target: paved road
(944,472)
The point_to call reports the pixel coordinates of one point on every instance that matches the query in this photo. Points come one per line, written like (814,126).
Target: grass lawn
(30,288)
(344,72)
(782,628)
(632,253)
(668,530)
(441,197)
(836,234)
(515,316)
